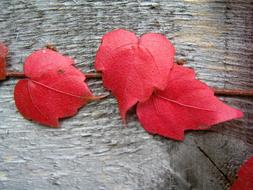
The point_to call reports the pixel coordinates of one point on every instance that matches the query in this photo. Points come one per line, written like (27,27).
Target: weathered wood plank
(92,150)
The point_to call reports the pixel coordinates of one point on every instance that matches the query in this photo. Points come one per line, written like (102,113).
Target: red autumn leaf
(185,104)
(132,68)
(245,177)
(111,41)
(3,55)
(54,88)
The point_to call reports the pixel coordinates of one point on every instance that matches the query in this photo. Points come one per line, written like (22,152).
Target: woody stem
(94,75)
(233,92)
(16,74)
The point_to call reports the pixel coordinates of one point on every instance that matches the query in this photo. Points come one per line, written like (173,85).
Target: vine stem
(16,74)
(233,92)
(94,75)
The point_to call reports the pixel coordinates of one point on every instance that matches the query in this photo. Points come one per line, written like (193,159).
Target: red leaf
(111,41)
(3,55)
(54,88)
(133,68)
(245,174)
(186,104)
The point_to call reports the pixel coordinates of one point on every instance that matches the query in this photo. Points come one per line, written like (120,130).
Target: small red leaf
(3,55)
(245,177)
(186,104)
(133,68)
(54,88)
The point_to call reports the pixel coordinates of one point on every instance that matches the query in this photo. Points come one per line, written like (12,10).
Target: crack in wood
(215,165)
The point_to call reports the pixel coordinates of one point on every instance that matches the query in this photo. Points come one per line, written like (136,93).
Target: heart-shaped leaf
(54,88)
(132,68)
(185,104)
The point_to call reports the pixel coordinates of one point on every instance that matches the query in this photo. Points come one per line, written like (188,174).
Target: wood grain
(93,150)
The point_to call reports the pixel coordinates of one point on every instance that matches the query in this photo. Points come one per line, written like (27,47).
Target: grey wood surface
(93,150)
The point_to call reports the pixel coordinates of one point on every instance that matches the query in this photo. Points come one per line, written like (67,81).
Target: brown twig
(95,75)
(180,61)
(16,74)
(233,92)
(51,46)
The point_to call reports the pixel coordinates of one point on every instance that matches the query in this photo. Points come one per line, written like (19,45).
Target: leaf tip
(240,114)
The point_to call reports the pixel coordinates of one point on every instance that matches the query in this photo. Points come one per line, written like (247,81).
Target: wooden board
(93,150)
